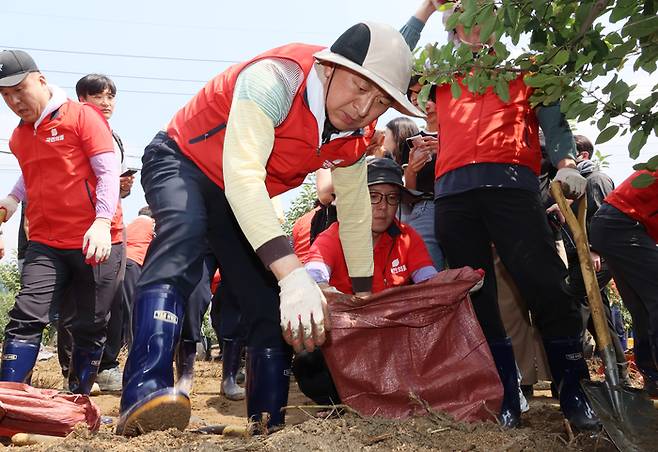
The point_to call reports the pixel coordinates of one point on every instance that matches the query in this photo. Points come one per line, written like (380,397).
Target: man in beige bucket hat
(255,131)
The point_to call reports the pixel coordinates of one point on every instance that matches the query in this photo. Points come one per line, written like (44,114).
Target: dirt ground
(544,428)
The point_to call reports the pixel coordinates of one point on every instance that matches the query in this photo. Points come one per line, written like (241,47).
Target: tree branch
(596,10)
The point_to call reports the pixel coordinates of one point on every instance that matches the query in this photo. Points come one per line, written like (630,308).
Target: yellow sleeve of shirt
(355,220)
(247,147)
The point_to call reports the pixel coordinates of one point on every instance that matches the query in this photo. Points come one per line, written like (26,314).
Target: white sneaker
(95,389)
(110,379)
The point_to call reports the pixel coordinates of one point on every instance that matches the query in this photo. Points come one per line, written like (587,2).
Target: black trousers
(198,303)
(515,222)
(314,379)
(115,325)
(632,256)
(192,212)
(133,271)
(47,274)
(577,287)
(225,315)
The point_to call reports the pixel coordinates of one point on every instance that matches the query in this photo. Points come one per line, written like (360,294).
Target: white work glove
(97,243)
(8,206)
(302,310)
(573,184)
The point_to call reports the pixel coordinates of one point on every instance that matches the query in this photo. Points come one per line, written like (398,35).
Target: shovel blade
(633,426)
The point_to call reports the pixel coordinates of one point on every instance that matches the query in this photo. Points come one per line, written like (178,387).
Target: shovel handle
(579,232)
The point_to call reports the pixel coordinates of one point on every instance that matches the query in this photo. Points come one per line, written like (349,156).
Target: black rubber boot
(645,363)
(568,367)
(268,381)
(83,368)
(231,360)
(185,357)
(503,355)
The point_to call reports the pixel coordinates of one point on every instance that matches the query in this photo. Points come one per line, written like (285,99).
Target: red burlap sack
(24,409)
(422,339)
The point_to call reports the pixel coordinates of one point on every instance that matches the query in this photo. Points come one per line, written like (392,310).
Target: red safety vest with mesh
(641,204)
(200,126)
(481,128)
(59,179)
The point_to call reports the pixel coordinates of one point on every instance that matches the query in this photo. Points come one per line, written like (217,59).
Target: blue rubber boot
(149,401)
(268,381)
(185,358)
(645,363)
(568,367)
(503,355)
(83,369)
(231,359)
(18,359)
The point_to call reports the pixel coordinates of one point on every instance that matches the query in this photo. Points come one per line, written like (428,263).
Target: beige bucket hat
(379,53)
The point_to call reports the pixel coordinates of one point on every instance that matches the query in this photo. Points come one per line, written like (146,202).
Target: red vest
(641,204)
(59,179)
(139,235)
(396,257)
(481,128)
(200,126)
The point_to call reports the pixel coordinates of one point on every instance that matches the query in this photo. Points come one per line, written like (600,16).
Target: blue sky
(161,53)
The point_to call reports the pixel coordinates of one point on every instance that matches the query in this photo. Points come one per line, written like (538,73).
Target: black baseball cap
(386,171)
(15,65)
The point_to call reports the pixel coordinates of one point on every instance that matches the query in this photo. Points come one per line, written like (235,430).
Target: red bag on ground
(422,339)
(24,409)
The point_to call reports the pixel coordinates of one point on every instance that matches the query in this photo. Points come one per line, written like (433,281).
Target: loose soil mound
(544,428)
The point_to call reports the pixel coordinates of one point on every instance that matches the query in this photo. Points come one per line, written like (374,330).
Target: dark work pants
(115,325)
(515,222)
(192,212)
(225,316)
(313,377)
(198,303)
(632,256)
(577,288)
(133,271)
(47,274)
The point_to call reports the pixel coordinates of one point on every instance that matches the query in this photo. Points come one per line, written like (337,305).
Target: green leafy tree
(10,278)
(10,283)
(572,52)
(302,204)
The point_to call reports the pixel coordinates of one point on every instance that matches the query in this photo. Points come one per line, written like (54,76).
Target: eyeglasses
(392,199)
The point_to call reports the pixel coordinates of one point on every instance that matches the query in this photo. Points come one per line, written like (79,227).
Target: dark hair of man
(146,211)
(401,128)
(415,80)
(92,84)
(583,144)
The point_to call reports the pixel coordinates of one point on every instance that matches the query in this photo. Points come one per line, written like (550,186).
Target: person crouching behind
(400,258)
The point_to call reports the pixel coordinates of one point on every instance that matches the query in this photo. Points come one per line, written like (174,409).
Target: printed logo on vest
(397,268)
(166,316)
(9,357)
(332,164)
(54,137)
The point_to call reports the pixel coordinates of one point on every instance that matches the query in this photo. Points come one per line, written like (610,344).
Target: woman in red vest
(624,231)
(487,191)
(255,131)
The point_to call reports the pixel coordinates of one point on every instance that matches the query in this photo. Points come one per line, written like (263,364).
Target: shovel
(628,415)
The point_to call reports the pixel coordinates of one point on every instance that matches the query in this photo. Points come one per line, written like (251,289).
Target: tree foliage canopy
(574,52)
